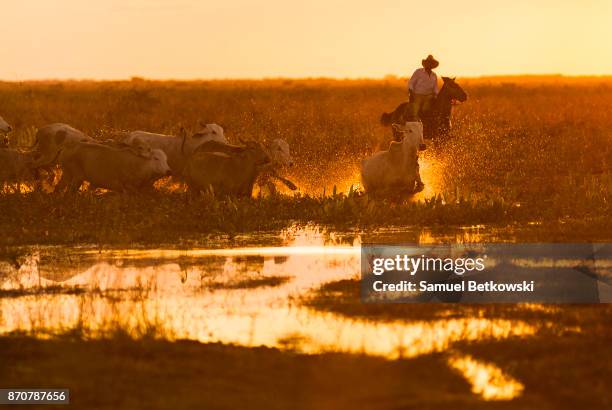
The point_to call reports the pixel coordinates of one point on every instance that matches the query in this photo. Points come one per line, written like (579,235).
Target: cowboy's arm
(413,80)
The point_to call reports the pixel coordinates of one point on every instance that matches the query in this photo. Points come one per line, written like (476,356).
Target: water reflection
(486,379)
(248,296)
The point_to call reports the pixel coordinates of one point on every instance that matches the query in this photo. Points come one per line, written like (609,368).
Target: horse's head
(455,91)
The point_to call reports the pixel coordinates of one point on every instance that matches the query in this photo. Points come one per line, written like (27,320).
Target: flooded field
(174,300)
(258,294)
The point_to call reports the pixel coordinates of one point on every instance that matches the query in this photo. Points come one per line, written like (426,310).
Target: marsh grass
(37,218)
(521,151)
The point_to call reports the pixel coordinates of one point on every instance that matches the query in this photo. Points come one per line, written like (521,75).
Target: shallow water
(249,296)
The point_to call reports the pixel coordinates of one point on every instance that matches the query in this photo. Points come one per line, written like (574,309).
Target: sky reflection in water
(220,295)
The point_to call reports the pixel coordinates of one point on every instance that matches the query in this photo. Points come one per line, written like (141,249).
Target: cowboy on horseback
(423,87)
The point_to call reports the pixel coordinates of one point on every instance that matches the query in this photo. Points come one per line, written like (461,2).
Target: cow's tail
(184,140)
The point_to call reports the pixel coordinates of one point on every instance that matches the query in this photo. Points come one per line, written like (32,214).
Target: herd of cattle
(205,161)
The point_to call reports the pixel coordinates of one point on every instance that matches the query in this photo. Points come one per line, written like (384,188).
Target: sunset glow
(187,39)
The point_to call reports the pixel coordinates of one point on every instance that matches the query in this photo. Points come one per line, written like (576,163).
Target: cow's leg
(419,185)
(62,184)
(68,183)
(38,179)
(51,173)
(36,182)
(75,185)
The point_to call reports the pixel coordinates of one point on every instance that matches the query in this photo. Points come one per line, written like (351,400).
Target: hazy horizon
(244,39)
(389,77)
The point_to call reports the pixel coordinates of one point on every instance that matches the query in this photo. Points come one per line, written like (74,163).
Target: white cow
(179,149)
(4,126)
(395,171)
(104,166)
(51,139)
(280,156)
(278,150)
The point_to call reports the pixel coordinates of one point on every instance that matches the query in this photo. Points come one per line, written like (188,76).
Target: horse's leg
(428,127)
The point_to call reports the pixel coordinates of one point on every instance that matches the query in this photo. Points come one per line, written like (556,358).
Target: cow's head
(278,150)
(206,132)
(454,90)
(209,131)
(158,161)
(410,133)
(4,126)
(257,153)
(141,148)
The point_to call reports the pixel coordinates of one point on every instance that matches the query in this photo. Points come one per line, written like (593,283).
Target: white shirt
(423,83)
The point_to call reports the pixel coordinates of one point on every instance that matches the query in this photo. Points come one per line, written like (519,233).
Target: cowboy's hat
(430,62)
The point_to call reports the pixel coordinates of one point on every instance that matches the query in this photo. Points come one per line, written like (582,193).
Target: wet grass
(110,218)
(520,152)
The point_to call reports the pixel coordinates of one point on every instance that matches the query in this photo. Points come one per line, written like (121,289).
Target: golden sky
(188,39)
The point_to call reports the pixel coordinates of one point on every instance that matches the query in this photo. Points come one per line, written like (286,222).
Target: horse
(436,121)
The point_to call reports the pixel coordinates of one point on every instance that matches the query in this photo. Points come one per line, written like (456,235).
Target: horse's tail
(385,118)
